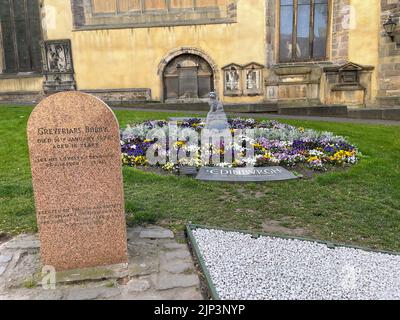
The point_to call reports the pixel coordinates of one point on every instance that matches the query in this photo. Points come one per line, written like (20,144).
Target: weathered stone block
(157,233)
(391,114)
(317,111)
(327,111)
(295,111)
(5,258)
(365,113)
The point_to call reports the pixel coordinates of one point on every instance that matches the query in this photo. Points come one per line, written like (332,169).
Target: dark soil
(4,237)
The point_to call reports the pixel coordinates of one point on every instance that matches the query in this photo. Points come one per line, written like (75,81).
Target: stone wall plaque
(256,174)
(75,155)
(58,67)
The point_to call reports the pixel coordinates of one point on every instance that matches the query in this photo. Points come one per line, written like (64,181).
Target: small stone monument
(75,155)
(216,133)
(216,118)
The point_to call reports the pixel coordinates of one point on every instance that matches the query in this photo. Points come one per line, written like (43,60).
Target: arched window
(303,30)
(21,35)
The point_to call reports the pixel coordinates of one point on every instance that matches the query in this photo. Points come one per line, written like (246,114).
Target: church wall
(112,58)
(123,57)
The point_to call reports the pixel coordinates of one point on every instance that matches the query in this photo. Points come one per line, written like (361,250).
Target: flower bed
(274,143)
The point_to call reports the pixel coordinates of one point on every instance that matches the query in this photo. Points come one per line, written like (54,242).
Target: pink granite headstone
(75,155)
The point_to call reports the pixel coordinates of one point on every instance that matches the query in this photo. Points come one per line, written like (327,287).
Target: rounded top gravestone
(74,147)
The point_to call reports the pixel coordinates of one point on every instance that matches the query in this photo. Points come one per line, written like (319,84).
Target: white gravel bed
(246,268)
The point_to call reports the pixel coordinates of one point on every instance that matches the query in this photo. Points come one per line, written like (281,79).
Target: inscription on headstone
(75,155)
(251,174)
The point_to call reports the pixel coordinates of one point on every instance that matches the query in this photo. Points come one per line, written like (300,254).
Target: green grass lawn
(356,206)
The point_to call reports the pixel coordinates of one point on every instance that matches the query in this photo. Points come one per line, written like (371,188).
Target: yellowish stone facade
(154,50)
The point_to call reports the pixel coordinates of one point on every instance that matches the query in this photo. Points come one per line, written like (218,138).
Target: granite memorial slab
(75,156)
(251,174)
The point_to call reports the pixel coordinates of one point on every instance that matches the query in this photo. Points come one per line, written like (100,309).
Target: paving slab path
(160,267)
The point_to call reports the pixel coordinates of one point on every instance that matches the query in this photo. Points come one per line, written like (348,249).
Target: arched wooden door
(187,77)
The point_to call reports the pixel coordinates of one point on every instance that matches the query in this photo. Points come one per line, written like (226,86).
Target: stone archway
(187,75)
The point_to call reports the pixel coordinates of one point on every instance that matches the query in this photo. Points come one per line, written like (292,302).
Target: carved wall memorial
(244,80)
(298,84)
(233,80)
(254,79)
(187,76)
(58,67)
(348,84)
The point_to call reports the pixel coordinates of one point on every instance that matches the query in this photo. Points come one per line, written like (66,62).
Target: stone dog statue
(216,118)
(215,105)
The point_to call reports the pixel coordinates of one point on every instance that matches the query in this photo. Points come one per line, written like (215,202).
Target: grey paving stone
(176,267)
(24,265)
(160,267)
(190,293)
(21,294)
(23,241)
(157,234)
(179,254)
(109,293)
(174,245)
(91,274)
(169,281)
(48,295)
(5,258)
(78,293)
(138,285)
(142,266)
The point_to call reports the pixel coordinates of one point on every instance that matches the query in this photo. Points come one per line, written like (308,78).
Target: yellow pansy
(179,144)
